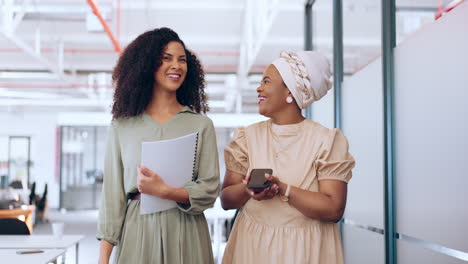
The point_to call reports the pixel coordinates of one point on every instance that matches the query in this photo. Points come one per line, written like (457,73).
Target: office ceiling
(55,55)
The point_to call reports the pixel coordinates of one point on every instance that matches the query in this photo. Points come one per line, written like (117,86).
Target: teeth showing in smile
(261,99)
(174,76)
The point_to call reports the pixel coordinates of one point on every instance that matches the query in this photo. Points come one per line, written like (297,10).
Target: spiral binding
(195,158)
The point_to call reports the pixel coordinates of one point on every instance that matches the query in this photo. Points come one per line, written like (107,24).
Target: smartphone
(21,252)
(257,181)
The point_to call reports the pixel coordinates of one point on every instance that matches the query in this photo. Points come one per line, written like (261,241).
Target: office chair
(41,203)
(32,195)
(13,226)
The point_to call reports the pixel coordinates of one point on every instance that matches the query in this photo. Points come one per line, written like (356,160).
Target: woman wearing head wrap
(295,219)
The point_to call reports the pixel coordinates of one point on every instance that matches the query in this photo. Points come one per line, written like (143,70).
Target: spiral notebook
(173,160)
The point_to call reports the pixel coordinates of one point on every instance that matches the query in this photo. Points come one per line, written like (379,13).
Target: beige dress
(272,231)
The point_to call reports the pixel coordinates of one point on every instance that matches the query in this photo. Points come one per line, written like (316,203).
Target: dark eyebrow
(266,77)
(169,54)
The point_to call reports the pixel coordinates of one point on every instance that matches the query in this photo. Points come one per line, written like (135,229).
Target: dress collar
(287,130)
(187,109)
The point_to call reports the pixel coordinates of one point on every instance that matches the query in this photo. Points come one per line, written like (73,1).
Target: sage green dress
(178,235)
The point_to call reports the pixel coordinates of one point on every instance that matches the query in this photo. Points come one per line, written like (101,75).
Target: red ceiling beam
(96,11)
(441,10)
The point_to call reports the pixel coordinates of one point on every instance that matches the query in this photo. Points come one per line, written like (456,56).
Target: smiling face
(171,74)
(272,93)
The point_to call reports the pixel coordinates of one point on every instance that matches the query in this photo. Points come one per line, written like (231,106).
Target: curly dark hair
(133,76)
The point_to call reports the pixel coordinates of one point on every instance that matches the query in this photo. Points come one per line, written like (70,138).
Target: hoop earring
(289,99)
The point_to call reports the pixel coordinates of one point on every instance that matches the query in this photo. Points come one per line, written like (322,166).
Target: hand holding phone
(257,181)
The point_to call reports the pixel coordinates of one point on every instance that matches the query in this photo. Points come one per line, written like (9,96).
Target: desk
(25,215)
(49,255)
(40,241)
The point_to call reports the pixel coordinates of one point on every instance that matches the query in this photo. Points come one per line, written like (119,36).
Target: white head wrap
(306,74)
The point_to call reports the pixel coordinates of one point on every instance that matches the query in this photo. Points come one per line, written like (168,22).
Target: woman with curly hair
(159,95)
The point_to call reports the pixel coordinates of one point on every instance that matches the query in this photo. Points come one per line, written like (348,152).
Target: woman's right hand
(234,193)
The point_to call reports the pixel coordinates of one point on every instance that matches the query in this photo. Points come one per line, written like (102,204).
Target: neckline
(287,130)
(183,110)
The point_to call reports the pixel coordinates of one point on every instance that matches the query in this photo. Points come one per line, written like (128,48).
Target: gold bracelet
(285,197)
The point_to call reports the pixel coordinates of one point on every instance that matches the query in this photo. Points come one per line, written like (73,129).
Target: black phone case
(259,173)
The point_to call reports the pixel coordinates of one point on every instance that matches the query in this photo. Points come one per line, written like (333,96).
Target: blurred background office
(400,93)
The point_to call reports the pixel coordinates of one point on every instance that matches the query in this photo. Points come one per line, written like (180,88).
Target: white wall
(41,127)
(431,148)
(431,113)
(323,111)
(362,118)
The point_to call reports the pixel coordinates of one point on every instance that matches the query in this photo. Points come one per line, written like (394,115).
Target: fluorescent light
(35,95)
(28,75)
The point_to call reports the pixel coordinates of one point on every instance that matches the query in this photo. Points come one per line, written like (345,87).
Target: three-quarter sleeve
(236,155)
(114,201)
(334,161)
(204,189)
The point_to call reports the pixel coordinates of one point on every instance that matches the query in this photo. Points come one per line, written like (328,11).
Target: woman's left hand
(269,192)
(275,181)
(151,183)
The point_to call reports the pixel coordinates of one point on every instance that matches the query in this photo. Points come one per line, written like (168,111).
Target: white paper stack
(174,161)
